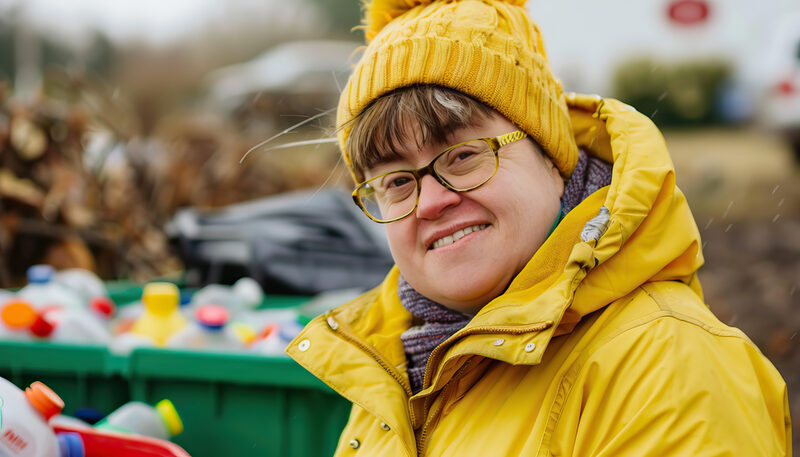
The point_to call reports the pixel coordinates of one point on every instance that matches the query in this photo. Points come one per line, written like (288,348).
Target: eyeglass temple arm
(510,137)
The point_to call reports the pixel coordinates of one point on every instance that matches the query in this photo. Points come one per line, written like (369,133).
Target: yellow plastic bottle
(160,318)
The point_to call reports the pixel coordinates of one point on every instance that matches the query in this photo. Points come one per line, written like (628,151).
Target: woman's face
(514,212)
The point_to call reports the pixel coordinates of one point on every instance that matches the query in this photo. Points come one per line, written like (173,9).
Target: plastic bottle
(76,326)
(269,342)
(68,422)
(160,421)
(249,291)
(262,317)
(160,318)
(244,331)
(5,295)
(16,318)
(208,332)
(245,295)
(24,431)
(81,282)
(42,291)
(289,330)
(126,317)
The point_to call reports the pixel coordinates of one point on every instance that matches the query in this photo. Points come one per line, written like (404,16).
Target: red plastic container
(111,444)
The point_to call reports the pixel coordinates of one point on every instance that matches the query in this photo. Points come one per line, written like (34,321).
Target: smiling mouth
(450,239)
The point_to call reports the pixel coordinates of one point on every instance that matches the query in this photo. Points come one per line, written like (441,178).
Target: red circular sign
(688,12)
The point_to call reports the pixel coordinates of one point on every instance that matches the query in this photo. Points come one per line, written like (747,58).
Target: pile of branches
(83,185)
(60,206)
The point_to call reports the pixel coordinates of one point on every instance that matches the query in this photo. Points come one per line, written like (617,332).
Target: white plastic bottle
(245,295)
(81,282)
(269,342)
(5,295)
(77,326)
(42,291)
(24,431)
(209,332)
(74,423)
(160,421)
(249,291)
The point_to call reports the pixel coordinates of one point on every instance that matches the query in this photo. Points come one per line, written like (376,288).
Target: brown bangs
(420,113)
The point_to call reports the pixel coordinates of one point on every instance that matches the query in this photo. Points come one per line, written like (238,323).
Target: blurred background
(123,126)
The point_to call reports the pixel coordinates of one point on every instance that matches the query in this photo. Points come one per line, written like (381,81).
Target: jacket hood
(651,233)
(636,230)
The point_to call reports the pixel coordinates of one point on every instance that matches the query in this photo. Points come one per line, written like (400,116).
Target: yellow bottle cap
(244,332)
(170,415)
(18,314)
(161,297)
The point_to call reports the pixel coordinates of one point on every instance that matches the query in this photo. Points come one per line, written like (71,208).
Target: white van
(781,81)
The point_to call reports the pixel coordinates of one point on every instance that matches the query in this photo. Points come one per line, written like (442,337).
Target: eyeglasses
(393,195)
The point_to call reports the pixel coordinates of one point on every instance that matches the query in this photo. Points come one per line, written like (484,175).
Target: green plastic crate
(231,404)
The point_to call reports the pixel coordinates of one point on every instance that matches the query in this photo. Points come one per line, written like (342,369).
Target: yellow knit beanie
(488,49)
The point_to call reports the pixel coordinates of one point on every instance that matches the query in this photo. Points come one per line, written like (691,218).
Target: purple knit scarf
(434,323)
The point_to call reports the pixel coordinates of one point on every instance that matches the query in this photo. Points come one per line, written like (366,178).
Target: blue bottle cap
(89,415)
(70,444)
(40,274)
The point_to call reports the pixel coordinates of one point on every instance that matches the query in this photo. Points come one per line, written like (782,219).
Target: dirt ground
(744,189)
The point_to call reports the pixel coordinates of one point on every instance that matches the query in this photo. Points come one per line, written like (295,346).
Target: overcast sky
(585,38)
(151,21)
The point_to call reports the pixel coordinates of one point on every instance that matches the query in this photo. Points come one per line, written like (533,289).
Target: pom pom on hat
(378,13)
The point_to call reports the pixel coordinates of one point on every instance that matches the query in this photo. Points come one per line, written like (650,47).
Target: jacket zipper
(392,371)
(421,442)
(448,389)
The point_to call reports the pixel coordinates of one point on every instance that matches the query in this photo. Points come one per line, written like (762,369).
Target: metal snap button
(530,346)
(304,345)
(332,323)
(385,426)
(499,342)
(355,444)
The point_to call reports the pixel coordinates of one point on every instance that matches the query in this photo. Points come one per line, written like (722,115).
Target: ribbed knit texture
(434,323)
(488,49)
(590,174)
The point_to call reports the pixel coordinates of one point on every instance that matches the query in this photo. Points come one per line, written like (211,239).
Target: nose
(434,198)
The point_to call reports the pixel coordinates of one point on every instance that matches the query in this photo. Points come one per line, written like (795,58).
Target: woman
(545,298)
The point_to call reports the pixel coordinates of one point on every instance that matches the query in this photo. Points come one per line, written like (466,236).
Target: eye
(462,154)
(398,181)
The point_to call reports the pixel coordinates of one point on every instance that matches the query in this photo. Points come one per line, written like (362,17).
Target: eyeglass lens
(463,167)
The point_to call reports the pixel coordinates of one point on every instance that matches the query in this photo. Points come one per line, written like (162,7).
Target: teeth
(450,239)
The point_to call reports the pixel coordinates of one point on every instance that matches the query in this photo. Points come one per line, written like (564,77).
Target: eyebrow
(386,153)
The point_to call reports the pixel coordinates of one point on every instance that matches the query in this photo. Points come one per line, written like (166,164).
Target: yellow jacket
(601,346)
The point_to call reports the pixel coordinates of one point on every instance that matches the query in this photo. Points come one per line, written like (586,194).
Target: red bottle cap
(103,305)
(212,315)
(41,327)
(47,402)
